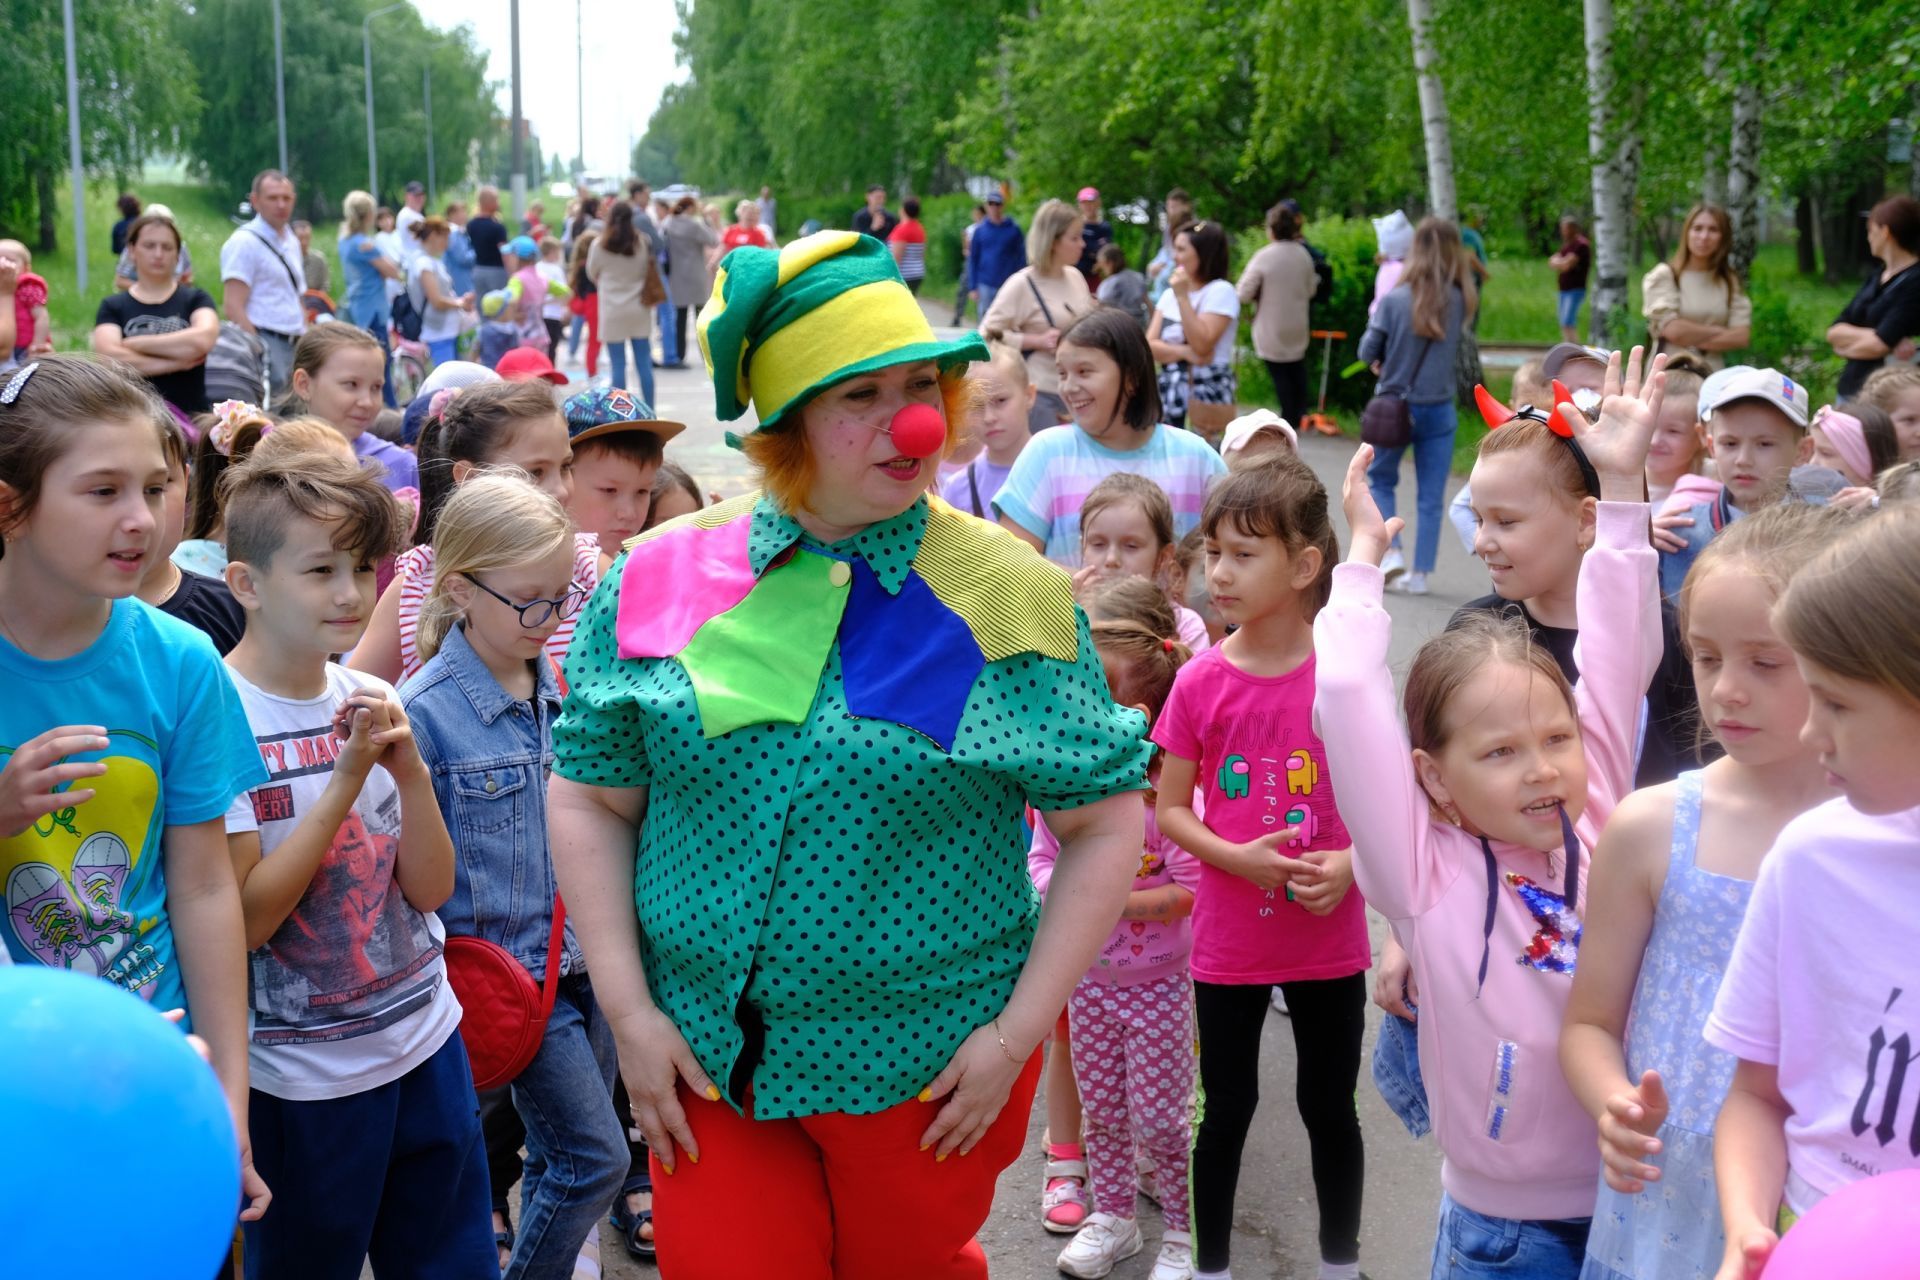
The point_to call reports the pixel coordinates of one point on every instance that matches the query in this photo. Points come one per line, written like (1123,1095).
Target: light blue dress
(1671,1230)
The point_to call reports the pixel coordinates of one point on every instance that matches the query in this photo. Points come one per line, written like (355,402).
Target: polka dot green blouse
(848,893)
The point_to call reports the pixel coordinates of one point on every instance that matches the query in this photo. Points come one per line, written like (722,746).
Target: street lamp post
(426,93)
(77,179)
(279,85)
(366,45)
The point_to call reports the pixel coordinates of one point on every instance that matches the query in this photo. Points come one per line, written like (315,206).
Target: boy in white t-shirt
(362,1100)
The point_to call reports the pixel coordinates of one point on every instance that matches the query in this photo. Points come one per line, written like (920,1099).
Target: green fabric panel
(760,661)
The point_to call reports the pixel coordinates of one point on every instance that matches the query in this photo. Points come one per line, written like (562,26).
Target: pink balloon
(1870,1228)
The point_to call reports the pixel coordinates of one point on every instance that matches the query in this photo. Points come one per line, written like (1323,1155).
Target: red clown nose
(918,431)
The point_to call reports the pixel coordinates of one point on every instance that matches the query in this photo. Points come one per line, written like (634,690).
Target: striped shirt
(1054,474)
(416,566)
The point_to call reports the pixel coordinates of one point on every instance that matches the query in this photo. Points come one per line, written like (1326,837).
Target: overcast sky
(628,52)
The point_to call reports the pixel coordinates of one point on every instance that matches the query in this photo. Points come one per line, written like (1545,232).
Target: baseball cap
(1561,352)
(603,411)
(416,189)
(523,247)
(1744,382)
(994,197)
(1088,193)
(1248,425)
(524,364)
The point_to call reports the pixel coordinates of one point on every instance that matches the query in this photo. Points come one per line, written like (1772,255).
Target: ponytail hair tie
(229,416)
(441,399)
(1167,645)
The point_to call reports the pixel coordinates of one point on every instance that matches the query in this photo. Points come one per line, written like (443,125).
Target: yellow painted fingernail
(667,1167)
(713,1094)
(925,1145)
(693,1157)
(937,1159)
(926,1094)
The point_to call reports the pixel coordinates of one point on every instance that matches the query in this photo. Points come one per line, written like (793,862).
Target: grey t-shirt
(1390,339)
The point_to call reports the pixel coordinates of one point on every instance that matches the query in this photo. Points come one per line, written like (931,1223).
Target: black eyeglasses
(534,613)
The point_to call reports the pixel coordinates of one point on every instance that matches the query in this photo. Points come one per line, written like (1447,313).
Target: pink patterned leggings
(1133,1058)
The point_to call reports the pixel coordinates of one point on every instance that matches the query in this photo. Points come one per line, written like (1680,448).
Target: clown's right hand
(38,766)
(654,1060)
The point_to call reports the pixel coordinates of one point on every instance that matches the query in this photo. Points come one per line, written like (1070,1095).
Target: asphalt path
(1274,1222)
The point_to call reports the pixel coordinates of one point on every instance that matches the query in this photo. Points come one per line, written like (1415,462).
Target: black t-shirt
(1575,276)
(1672,744)
(120,235)
(487,235)
(185,390)
(879,227)
(206,603)
(1891,309)
(1092,237)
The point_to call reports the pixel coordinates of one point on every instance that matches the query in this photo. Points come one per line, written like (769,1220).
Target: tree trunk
(49,210)
(1611,159)
(1913,144)
(1806,236)
(1743,171)
(1433,112)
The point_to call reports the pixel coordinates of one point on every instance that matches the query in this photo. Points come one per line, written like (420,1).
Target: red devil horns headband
(1498,415)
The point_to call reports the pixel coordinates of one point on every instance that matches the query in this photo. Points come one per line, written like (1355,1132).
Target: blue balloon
(118,1141)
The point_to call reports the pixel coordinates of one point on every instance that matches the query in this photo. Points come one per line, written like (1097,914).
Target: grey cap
(1556,359)
(416,189)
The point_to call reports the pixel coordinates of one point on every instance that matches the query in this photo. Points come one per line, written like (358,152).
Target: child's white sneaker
(1176,1257)
(1393,564)
(1104,1241)
(1414,584)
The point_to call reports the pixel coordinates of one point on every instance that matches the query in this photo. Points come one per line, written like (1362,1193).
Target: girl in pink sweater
(1131,1018)
(1472,833)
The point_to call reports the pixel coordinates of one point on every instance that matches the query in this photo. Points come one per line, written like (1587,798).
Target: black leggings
(1290,385)
(680,334)
(1329,1018)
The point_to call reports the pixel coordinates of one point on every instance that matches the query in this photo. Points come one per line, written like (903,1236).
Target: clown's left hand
(979,1077)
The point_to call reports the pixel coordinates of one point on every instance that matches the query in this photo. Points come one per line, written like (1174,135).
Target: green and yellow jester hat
(784,325)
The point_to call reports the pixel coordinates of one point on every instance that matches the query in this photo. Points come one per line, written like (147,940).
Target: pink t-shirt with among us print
(1261,768)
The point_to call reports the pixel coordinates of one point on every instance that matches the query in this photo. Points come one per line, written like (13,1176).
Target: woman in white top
(430,289)
(1039,301)
(1695,303)
(1193,330)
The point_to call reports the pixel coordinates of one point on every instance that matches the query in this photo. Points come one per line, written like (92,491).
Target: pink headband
(1848,438)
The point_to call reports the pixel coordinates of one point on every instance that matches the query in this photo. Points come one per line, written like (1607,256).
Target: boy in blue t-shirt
(362,1095)
(1757,434)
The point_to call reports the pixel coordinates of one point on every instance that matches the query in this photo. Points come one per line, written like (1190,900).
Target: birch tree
(1609,150)
(1433,111)
(1743,170)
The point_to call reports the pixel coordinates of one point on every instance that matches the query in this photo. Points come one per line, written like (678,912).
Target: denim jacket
(489,754)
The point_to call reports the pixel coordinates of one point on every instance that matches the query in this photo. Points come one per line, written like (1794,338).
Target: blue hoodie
(999,249)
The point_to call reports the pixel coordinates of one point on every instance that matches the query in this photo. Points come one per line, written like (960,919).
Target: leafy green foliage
(229,46)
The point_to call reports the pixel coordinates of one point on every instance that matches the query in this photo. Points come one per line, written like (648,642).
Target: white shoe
(1104,1241)
(1176,1257)
(1279,1001)
(1415,584)
(1393,564)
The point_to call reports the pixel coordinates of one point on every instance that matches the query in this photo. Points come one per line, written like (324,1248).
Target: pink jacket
(1138,950)
(1516,1144)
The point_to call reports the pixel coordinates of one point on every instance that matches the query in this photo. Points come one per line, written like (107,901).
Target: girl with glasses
(482,710)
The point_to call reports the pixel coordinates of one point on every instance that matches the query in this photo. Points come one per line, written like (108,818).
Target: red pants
(590,308)
(831,1197)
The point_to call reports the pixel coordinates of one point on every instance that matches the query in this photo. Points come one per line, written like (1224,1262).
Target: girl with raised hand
(1670,884)
(1827,945)
(1472,833)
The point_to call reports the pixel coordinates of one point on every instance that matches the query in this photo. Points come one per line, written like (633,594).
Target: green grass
(204,223)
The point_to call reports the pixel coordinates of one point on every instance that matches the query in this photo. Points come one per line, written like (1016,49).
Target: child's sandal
(1064,1204)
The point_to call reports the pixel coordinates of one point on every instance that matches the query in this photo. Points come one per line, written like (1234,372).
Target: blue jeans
(669,333)
(1433,427)
(1396,1073)
(576,1147)
(642,365)
(574,331)
(1471,1245)
(442,350)
(382,330)
(1570,300)
(396,1173)
(986,292)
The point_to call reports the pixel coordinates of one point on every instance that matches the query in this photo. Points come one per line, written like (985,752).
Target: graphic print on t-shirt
(351,959)
(147,325)
(70,875)
(1263,767)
